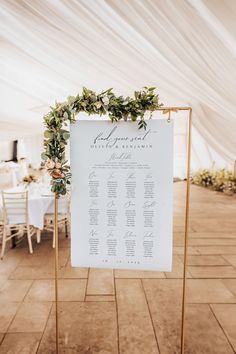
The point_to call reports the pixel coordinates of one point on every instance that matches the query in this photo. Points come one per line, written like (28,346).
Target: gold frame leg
(56,268)
(168,110)
(186,231)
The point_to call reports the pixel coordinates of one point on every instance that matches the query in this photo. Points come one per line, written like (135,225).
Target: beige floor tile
(212,241)
(74,272)
(33,272)
(180,250)
(136,334)
(203,333)
(208,260)
(213,272)
(7,313)
(216,250)
(231,259)
(34,260)
(100,282)
(46,271)
(100,298)
(14,290)
(208,291)
(163,290)
(41,290)
(177,269)
(164,299)
(120,273)
(231,285)
(68,290)
(8,265)
(20,343)
(72,289)
(31,318)
(226,315)
(85,327)
(3,280)
(46,258)
(218,235)
(213,224)
(63,256)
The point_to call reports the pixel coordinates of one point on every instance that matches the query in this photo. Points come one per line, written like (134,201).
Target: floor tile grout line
(3,337)
(212,302)
(101,294)
(24,333)
(150,314)
(212,311)
(84,278)
(46,322)
(20,303)
(175,278)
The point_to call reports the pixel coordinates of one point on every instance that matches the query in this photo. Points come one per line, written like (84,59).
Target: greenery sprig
(105,103)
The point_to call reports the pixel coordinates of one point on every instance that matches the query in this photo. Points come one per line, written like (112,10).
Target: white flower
(105,100)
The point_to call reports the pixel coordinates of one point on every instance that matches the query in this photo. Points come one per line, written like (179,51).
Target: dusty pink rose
(57,174)
(50,164)
(58,165)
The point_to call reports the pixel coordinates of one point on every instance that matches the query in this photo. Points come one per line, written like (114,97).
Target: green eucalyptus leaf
(48,134)
(66,135)
(44,156)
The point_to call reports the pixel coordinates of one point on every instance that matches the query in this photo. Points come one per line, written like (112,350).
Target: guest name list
(122,194)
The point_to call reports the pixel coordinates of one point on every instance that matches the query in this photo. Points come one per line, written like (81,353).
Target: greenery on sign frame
(105,103)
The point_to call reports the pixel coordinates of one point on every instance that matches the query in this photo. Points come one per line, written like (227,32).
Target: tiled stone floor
(128,312)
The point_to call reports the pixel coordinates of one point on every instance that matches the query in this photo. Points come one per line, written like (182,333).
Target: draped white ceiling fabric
(187,48)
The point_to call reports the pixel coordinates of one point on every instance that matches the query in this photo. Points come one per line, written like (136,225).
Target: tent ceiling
(187,48)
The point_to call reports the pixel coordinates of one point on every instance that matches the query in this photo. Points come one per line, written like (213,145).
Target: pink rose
(50,164)
(57,174)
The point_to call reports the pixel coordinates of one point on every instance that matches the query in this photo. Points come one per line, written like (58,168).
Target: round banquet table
(39,204)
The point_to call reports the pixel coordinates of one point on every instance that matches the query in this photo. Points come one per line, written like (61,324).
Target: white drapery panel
(51,48)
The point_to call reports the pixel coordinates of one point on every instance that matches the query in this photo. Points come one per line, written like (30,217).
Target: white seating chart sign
(122,181)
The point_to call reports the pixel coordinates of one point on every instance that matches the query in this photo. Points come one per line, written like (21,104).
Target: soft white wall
(34,148)
(6,150)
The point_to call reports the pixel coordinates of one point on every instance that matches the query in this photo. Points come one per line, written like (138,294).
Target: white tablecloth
(39,205)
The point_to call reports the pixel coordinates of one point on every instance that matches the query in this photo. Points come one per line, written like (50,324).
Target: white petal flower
(105,100)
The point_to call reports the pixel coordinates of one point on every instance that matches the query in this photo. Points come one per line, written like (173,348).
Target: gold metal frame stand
(187,202)
(167,110)
(56,267)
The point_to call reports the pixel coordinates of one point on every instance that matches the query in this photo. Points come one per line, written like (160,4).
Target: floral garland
(62,114)
(218,180)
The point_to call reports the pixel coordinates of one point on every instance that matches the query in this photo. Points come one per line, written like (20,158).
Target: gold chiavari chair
(1,225)
(16,219)
(63,217)
(1,231)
